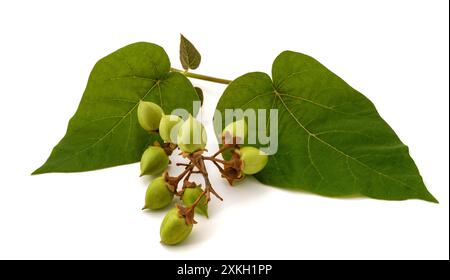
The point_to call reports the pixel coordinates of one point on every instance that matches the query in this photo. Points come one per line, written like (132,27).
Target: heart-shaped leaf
(332,140)
(189,56)
(104,131)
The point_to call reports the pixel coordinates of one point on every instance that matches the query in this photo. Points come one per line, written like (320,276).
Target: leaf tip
(427,196)
(432,199)
(37,171)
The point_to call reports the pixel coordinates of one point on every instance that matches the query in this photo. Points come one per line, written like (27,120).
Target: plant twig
(230,171)
(201,77)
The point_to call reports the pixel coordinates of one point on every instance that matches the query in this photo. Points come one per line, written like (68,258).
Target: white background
(395,52)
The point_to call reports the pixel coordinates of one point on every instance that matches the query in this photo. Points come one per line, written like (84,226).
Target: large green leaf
(104,131)
(332,141)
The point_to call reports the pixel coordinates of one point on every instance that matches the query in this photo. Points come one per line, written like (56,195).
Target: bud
(190,195)
(154,161)
(168,128)
(238,129)
(174,228)
(149,115)
(191,136)
(253,160)
(158,194)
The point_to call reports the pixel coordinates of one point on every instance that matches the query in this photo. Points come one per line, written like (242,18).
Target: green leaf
(199,94)
(332,141)
(189,56)
(104,131)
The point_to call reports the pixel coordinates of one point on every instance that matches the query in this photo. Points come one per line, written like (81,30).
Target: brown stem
(223,149)
(197,201)
(186,183)
(213,159)
(208,187)
(174,181)
(185,172)
(196,165)
(169,148)
(232,168)
(199,162)
(218,166)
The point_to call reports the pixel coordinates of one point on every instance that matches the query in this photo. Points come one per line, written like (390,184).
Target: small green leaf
(189,56)
(332,141)
(199,94)
(104,131)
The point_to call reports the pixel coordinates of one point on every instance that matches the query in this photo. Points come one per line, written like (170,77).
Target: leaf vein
(335,131)
(255,97)
(314,103)
(339,151)
(128,77)
(311,159)
(290,76)
(108,133)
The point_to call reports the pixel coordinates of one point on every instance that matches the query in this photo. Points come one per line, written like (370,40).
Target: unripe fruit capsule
(238,129)
(174,228)
(149,115)
(253,160)
(191,136)
(168,128)
(158,194)
(190,195)
(154,161)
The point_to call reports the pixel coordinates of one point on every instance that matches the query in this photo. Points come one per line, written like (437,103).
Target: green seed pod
(191,136)
(253,160)
(174,228)
(237,129)
(158,194)
(149,115)
(154,161)
(168,128)
(190,195)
